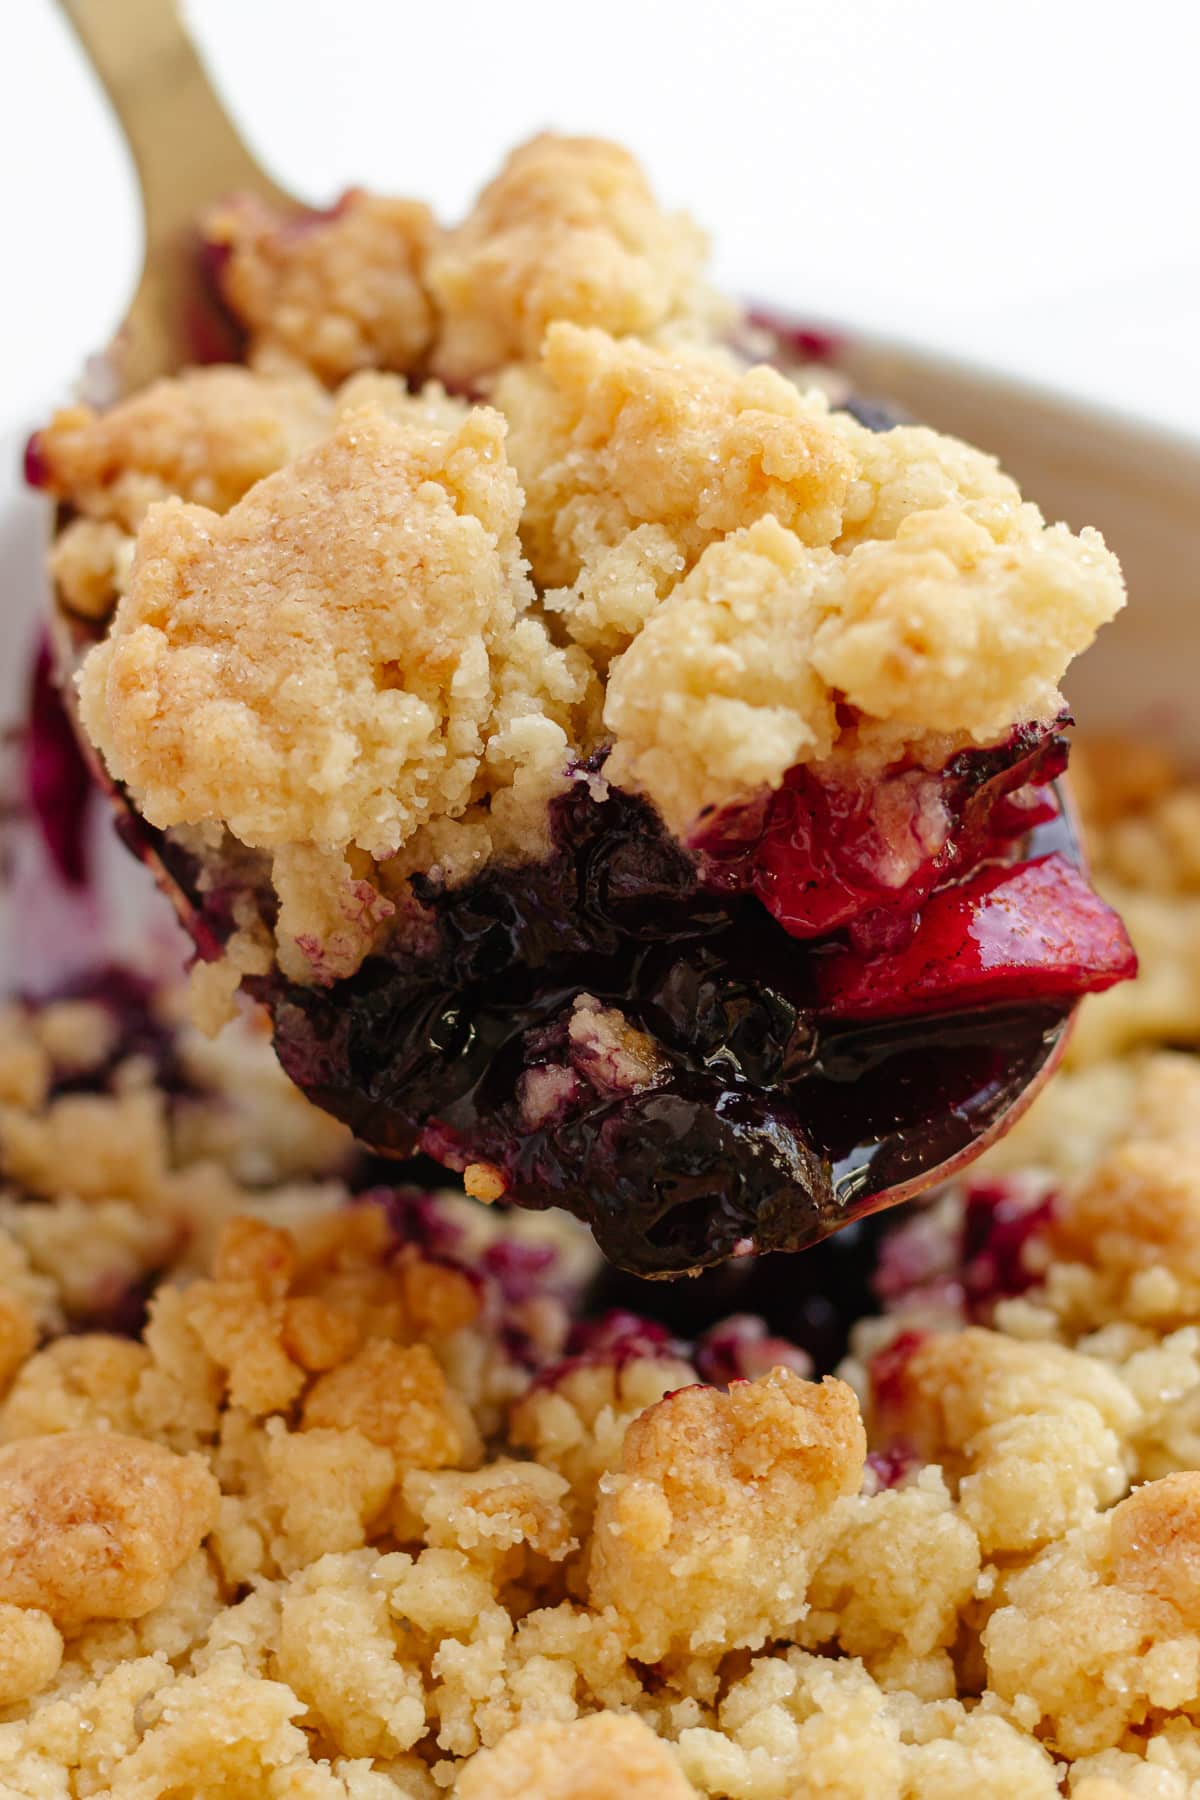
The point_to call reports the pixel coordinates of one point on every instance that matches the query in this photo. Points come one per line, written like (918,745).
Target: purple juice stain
(999,1225)
(58,783)
(33,465)
(796,339)
(892,1467)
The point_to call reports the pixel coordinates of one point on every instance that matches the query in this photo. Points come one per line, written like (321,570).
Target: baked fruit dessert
(594,749)
(316,1488)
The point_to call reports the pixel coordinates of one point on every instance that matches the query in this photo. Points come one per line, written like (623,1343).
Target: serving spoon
(188,154)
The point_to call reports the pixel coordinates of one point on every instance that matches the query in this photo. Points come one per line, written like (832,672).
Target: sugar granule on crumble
(385,1529)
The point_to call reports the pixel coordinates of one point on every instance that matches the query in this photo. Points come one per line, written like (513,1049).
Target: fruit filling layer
(320,1486)
(571,729)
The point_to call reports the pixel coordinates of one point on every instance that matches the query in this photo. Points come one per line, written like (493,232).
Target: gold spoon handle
(187,153)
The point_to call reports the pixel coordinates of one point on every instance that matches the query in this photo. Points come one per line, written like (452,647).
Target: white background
(1014,180)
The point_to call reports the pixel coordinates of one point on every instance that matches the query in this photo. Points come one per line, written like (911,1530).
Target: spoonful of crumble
(621,773)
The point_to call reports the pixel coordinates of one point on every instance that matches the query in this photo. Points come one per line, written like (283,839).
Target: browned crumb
(567,230)
(76,1383)
(398,1398)
(738,674)
(484,1182)
(1099,1631)
(206,436)
(606,1757)
(1030,1434)
(31,1650)
(326,683)
(18,1335)
(25,1064)
(89,565)
(329,692)
(335,291)
(1155,1542)
(706,1534)
(589,429)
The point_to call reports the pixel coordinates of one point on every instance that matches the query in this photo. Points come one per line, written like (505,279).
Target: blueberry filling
(58,785)
(137,1030)
(774,1079)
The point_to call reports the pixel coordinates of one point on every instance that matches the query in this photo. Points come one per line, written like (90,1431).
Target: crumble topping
(568,229)
(702,1538)
(243,682)
(605,1757)
(96,1524)
(411,623)
(351,669)
(333,292)
(207,436)
(611,433)
(1148,860)
(316,1491)
(332,732)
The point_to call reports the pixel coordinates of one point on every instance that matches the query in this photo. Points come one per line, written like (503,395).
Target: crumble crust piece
(206,436)
(352,669)
(391,1521)
(331,708)
(605,1757)
(611,433)
(568,229)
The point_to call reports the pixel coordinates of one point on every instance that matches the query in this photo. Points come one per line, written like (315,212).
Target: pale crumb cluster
(1148,867)
(333,292)
(367,627)
(306,1494)
(568,229)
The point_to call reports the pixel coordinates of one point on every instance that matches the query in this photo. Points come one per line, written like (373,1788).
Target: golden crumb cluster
(307,1491)
(491,501)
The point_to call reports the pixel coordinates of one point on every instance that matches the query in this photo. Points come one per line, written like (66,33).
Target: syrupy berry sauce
(771,1120)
